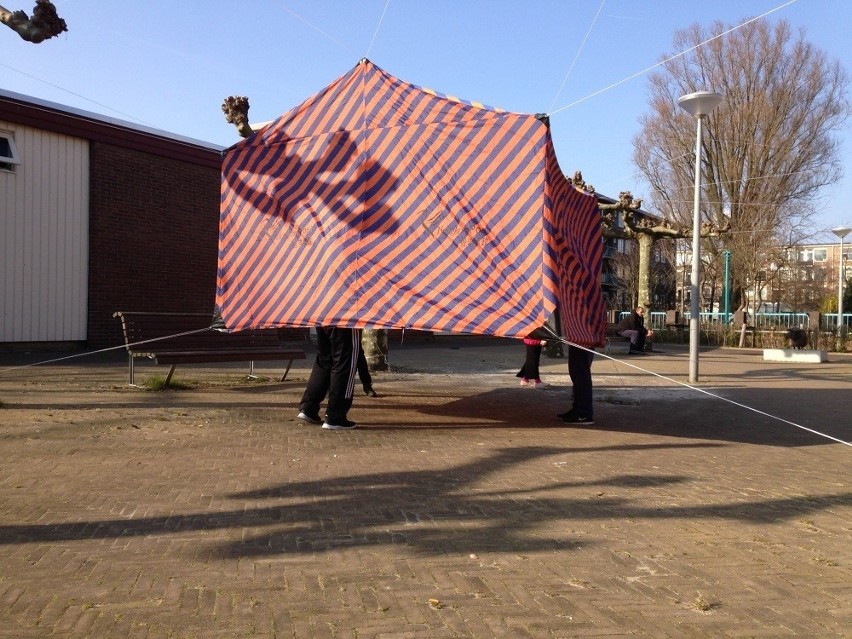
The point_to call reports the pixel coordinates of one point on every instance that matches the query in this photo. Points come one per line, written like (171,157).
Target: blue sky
(169,65)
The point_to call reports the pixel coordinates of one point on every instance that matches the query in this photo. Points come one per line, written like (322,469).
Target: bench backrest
(145,326)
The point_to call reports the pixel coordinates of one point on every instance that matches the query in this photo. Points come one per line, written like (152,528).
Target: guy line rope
(701,390)
(556,337)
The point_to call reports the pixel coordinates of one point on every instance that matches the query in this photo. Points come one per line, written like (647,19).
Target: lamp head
(699,104)
(841,231)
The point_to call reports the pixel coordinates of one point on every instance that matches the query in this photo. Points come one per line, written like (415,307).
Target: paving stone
(459,508)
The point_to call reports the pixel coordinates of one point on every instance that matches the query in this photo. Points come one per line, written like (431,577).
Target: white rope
(82,97)
(669,59)
(105,350)
(382,17)
(317,29)
(555,336)
(769,176)
(701,390)
(582,44)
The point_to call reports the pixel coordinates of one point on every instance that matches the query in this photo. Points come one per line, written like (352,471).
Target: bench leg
(169,376)
(130,370)
(251,374)
(289,364)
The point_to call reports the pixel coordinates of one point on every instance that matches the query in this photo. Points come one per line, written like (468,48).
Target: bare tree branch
(236,108)
(44,24)
(645,229)
(768,149)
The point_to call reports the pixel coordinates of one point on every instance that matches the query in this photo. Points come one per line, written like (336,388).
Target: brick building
(99,215)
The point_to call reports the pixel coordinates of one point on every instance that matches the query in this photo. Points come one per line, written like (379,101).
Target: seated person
(633,328)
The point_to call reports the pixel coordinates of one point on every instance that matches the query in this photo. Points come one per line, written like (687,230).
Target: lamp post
(698,105)
(841,232)
(727,255)
(681,265)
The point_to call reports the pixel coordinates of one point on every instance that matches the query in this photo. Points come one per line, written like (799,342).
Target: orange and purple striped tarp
(376,203)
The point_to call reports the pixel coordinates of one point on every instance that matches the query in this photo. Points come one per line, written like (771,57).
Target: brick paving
(459,509)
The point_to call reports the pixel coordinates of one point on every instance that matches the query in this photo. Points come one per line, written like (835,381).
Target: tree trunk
(374,341)
(646,249)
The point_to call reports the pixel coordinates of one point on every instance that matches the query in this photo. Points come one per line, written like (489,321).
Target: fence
(828,321)
(766,330)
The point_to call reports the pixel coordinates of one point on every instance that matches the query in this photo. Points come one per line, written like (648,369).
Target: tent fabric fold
(376,203)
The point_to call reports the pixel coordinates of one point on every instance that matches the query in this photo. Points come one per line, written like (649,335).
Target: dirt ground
(460,507)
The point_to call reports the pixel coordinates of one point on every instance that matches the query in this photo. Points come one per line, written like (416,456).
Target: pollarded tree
(44,23)
(646,231)
(768,149)
(236,108)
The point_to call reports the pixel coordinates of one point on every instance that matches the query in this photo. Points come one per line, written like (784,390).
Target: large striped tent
(377,203)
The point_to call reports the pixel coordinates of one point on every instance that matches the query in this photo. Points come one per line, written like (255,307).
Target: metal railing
(828,321)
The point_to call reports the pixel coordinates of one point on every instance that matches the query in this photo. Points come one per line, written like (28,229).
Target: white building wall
(44,231)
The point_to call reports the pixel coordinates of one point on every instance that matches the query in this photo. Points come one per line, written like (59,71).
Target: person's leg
(320,378)
(364,374)
(345,345)
(632,336)
(580,371)
(533,360)
(640,340)
(529,371)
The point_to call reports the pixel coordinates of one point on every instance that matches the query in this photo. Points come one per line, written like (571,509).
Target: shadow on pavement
(692,415)
(432,511)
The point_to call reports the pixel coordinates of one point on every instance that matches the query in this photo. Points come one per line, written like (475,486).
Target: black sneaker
(574,418)
(342,425)
(310,418)
(566,414)
(370,392)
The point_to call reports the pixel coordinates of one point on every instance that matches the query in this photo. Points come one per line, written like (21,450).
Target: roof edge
(28,111)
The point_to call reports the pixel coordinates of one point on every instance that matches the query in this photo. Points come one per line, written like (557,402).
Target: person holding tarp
(580,371)
(364,374)
(580,359)
(333,374)
(529,371)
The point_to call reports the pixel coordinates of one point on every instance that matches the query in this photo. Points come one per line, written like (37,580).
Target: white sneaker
(540,385)
(342,425)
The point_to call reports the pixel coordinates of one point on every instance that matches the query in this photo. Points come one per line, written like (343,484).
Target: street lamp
(698,105)
(841,232)
(727,255)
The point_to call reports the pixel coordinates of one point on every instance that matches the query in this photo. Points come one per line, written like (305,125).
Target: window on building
(8,152)
(820,255)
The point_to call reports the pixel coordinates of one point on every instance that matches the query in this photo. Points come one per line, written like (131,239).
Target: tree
(768,149)
(44,24)
(236,108)
(644,230)
(624,269)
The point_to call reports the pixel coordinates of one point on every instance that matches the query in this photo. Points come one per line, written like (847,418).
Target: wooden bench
(184,338)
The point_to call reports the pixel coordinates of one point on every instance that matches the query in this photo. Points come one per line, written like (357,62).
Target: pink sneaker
(526,382)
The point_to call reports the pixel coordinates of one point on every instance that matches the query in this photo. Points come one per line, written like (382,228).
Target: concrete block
(794,355)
